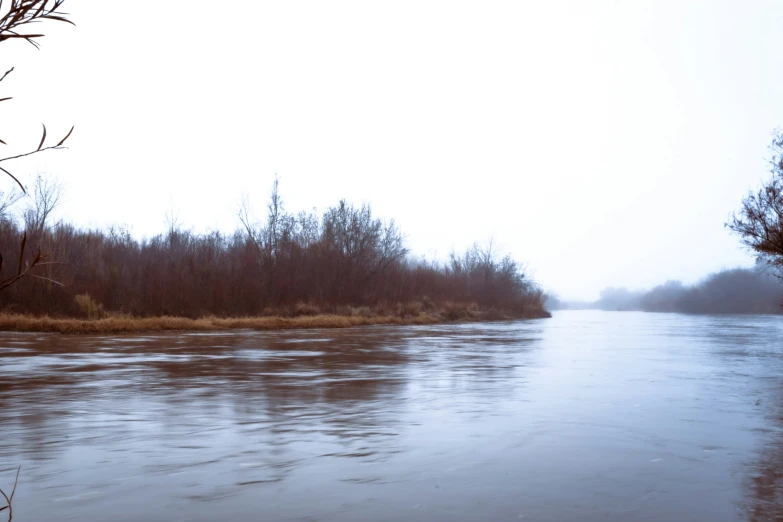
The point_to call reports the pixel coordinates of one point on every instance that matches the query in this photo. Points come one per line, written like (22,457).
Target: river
(611,416)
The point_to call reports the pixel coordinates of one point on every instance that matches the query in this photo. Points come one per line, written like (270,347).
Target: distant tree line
(289,263)
(737,291)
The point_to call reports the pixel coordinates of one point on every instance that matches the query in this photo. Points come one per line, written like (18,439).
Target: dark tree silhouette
(759,222)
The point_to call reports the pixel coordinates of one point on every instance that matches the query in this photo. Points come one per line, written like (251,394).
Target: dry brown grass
(460,311)
(89,307)
(302,316)
(127,324)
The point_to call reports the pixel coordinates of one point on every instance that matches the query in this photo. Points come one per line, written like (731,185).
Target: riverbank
(129,324)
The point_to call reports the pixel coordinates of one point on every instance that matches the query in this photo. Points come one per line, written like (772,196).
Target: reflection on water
(586,416)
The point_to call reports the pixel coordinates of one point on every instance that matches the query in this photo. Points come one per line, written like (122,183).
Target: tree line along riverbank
(342,267)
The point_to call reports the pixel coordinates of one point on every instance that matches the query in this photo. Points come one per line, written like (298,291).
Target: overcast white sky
(602,142)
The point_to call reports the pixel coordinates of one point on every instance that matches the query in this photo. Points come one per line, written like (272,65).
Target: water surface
(586,416)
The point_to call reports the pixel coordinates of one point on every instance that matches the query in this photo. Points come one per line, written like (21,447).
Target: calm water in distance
(611,416)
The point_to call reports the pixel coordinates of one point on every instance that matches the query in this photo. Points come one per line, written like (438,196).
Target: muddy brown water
(586,416)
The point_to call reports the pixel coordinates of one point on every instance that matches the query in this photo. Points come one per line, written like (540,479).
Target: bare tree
(265,237)
(47,193)
(759,222)
(251,226)
(173,224)
(8,200)
(275,213)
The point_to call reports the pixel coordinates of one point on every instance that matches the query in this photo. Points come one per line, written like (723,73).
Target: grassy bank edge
(128,324)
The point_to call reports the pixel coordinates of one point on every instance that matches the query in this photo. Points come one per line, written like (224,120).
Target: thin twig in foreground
(10,499)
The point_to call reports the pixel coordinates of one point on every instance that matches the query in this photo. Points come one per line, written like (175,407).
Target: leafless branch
(9,500)
(9,71)
(8,200)
(24,12)
(24,271)
(20,14)
(40,148)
